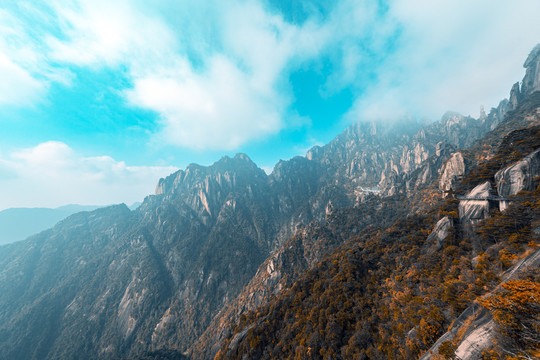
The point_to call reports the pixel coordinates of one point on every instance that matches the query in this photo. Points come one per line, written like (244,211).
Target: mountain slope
(421,177)
(114,277)
(19,223)
(292,260)
(390,294)
(190,249)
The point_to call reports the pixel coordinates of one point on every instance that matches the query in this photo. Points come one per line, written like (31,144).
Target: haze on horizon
(100,99)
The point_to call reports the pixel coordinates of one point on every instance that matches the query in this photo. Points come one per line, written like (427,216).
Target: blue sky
(99,99)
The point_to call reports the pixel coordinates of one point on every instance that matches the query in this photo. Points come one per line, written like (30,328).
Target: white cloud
(108,33)
(53,174)
(238,95)
(230,99)
(265,44)
(217,73)
(219,109)
(17,86)
(450,55)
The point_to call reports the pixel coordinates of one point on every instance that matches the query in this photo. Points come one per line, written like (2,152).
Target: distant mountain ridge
(19,223)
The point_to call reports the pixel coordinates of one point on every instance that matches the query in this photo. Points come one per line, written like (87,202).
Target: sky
(99,99)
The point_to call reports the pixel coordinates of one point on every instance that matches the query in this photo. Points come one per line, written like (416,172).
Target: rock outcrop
(395,158)
(515,97)
(440,231)
(476,205)
(453,170)
(531,81)
(519,176)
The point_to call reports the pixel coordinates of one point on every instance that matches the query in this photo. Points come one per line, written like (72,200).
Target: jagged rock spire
(531,80)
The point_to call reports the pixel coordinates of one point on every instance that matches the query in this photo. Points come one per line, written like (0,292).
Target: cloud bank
(450,55)
(217,74)
(53,174)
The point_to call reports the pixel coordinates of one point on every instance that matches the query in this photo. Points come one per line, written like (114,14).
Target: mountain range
(19,223)
(367,247)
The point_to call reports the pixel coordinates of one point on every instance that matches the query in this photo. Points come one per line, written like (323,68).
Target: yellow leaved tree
(516,311)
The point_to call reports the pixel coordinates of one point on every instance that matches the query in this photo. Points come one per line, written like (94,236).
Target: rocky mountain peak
(452,118)
(238,166)
(314,152)
(452,170)
(531,81)
(238,162)
(515,97)
(242,156)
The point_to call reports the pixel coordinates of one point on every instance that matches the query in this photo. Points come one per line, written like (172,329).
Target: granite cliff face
(440,231)
(530,82)
(515,97)
(519,176)
(390,159)
(453,169)
(288,263)
(476,206)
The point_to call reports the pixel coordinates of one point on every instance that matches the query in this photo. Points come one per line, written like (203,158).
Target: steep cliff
(519,176)
(397,158)
(475,205)
(475,331)
(452,171)
(440,231)
(291,261)
(530,82)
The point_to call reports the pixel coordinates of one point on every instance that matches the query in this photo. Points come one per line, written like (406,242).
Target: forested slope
(390,294)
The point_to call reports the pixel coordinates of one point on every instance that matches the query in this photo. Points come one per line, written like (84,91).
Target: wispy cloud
(234,95)
(19,86)
(216,109)
(101,33)
(239,94)
(449,55)
(53,174)
(217,74)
